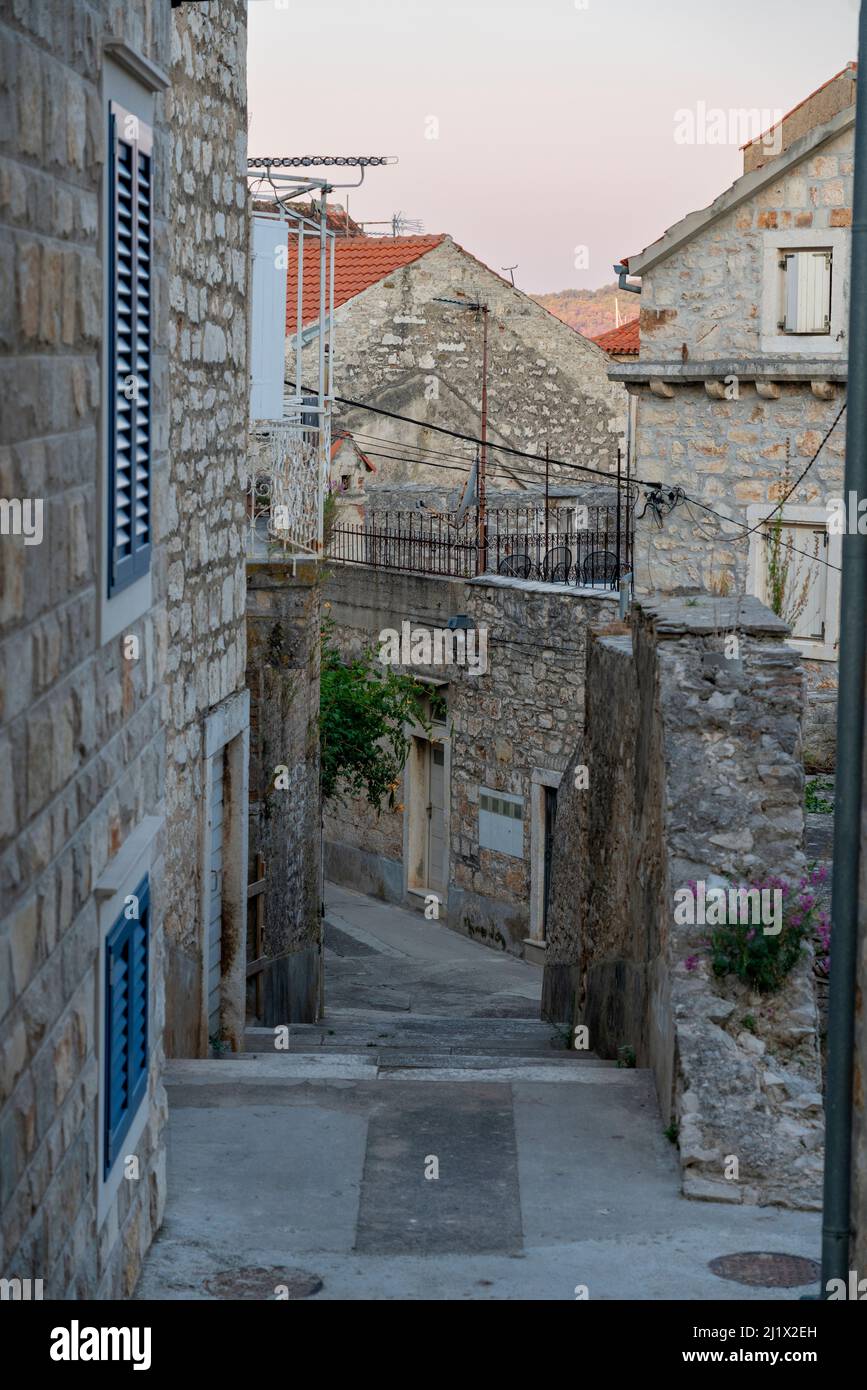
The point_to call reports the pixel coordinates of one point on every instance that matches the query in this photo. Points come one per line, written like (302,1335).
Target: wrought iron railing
(287,469)
(583,546)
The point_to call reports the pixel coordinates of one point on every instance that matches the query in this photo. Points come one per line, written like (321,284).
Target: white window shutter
(268,318)
(808,292)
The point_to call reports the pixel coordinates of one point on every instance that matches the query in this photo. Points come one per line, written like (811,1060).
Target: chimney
(815,110)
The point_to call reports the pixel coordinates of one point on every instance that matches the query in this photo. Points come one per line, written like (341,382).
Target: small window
(130,255)
(501,822)
(807,292)
(126,1021)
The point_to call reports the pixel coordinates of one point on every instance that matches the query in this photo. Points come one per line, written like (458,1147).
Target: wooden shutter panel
(808,292)
(126,1023)
(130,384)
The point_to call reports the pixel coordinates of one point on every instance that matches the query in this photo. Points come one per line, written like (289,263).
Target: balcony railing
(589,547)
(287,468)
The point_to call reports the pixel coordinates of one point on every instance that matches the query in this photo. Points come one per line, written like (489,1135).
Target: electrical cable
(749,530)
(803,475)
(471,439)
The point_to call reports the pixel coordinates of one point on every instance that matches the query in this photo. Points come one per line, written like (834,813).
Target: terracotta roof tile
(625,339)
(359,262)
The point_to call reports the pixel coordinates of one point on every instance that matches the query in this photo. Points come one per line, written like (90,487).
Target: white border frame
(775,244)
(757,574)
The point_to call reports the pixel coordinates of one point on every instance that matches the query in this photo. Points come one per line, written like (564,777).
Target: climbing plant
(364,708)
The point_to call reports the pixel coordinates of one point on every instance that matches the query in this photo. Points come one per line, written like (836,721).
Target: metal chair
(516,566)
(558,564)
(600,567)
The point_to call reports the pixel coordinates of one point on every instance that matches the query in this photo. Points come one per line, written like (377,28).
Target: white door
(436,839)
(215,896)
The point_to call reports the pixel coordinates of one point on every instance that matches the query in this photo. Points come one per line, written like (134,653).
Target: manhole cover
(257,1281)
(762,1269)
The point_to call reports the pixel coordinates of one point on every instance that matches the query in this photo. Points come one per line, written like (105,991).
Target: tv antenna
(511,269)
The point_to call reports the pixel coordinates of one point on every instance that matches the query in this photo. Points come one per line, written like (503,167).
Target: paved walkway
(553,1171)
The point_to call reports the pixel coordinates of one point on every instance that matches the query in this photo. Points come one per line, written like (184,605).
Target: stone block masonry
(204,516)
(398,347)
(101,738)
(509,730)
(730,409)
(695,774)
(82,741)
(283,622)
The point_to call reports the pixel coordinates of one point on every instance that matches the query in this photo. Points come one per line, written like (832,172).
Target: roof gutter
(621,271)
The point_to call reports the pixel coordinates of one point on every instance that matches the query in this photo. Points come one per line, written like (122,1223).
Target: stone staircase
(431,1047)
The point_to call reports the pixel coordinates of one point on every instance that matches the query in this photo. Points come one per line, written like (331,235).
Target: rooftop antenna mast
(511,269)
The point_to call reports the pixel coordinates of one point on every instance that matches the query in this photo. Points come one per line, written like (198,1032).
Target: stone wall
(519,720)
(397,348)
(705,303)
(283,622)
(204,516)
(707,295)
(697,777)
(99,743)
(82,746)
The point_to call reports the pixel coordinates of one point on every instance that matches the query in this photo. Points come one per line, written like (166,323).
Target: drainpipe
(621,271)
(836,1229)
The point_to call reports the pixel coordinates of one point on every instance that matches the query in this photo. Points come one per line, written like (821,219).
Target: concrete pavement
(552,1169)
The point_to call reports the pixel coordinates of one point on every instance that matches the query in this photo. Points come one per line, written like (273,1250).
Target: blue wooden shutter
(130,385)
(126,1023)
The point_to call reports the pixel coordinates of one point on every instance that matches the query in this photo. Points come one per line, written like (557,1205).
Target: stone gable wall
(397,348)
(707,295)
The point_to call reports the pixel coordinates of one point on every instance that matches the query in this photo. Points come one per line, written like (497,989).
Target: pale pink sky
(556,118)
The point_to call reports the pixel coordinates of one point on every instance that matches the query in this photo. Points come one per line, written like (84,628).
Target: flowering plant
(761,957)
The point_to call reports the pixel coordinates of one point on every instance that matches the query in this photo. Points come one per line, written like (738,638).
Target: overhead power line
(501,448)
(609,477)
(796,484)
(749,530)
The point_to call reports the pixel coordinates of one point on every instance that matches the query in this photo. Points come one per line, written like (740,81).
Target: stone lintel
(770,368)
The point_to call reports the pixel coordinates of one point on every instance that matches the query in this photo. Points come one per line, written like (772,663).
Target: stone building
(741,377)
(124,387)
(400,348)
(473,823)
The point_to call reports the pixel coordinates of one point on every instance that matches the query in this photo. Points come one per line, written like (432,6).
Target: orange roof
(359,262)
(624,340)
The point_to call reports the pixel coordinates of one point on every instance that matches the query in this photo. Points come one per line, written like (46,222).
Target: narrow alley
(305,1169)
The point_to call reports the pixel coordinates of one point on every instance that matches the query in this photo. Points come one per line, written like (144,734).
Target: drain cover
(762,1269)
(258,1281)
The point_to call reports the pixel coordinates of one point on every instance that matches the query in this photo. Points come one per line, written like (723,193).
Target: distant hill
(590,312)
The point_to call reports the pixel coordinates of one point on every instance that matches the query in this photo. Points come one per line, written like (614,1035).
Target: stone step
(429,1036)
(280,1069)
